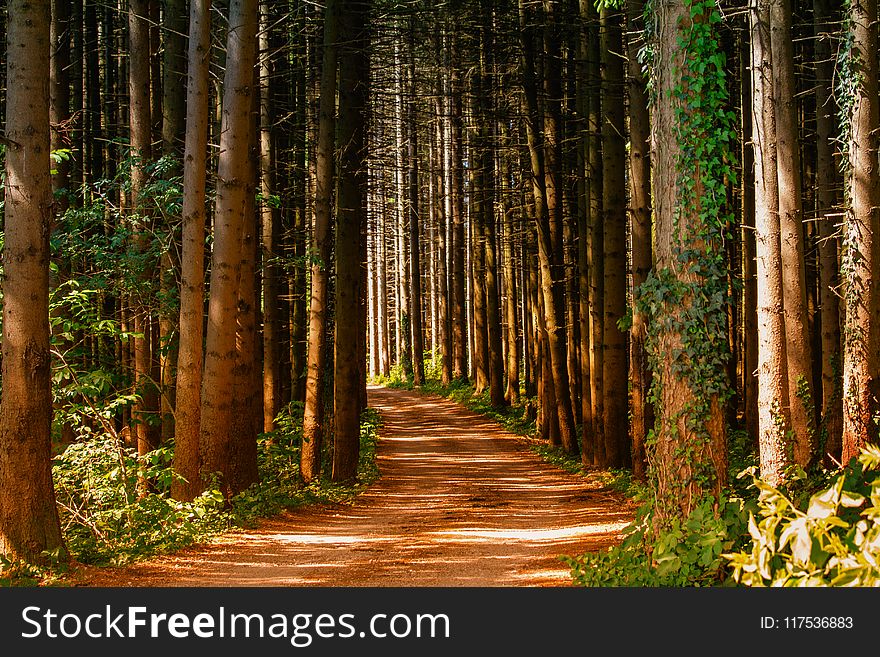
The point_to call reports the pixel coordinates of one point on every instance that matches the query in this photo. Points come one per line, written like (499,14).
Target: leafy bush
(106,519)
(835,542)
(103,518)
(685,553)
(280,486)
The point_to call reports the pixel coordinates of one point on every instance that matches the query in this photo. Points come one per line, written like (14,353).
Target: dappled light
(460,502)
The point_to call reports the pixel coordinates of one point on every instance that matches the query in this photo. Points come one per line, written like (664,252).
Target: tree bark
(145,408)
(351,217)
(790,208)
(313,418)
(415,270)
(192,286)
(29,523)
(640,229)
(773,401)
(688,460)
(614,361)
(862,226)
(826,183)
(271,224)
(233,187)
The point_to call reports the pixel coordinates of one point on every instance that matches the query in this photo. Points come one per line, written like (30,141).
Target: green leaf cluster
(835,541)
(683,553)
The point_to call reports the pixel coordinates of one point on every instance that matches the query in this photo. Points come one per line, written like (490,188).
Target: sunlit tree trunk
(774,418)
(192,287)
(234,185)
(29,525)
(640,230)
(313,418)
(861,228)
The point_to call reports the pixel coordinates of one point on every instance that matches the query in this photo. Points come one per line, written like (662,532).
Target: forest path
(460,502)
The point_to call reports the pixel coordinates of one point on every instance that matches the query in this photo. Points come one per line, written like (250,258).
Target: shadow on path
(460,502)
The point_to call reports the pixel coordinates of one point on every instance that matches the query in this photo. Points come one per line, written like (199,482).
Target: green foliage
(684,553)
(835,541)
(280,486)
(686,302)
(107,520)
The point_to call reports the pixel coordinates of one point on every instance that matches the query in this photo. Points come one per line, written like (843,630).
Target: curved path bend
(460,502)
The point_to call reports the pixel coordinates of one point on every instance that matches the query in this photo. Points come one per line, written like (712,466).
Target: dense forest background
(648,228)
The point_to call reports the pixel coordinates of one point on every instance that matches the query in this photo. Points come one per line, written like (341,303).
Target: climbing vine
(686,302)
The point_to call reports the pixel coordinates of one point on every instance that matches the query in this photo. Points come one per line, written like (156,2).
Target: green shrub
(835,542)
(685,553)
(106,521)
(103,518)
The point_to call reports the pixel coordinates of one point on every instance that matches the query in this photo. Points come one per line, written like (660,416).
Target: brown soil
(460,502)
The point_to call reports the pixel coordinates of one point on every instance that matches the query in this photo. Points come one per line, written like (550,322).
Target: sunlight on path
(460,503)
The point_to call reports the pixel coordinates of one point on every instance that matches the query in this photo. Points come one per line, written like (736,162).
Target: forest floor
(460,502)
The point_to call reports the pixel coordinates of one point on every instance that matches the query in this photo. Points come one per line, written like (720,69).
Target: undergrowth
(821,529)
(105,521)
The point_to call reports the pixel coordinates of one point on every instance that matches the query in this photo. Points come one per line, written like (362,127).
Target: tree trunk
(145,408)
(773,402)
(351,217)
(271,220)
(539,146)
(313,418)
(640,217)
(459,313)
(29,524)
(192,287)
(862,225)
(233,187)
(415,270)
(750,283)
(688,460)
(614,362)
(443,209)
(797,333)
(595,238)
(826,182)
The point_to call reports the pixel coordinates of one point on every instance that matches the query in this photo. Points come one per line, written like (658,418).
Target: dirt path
(460,502)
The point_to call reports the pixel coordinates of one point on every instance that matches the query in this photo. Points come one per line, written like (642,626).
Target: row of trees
(633,217)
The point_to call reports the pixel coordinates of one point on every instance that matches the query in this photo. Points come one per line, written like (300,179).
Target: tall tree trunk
(862,226)
(829,306)
(144,412)
(173,130)
(750,283)
(298,329)
(443,209)
(350,221)
(233,187)
(640,217)
(688,460)
(511,392)
(382,289)
(540,145)
(192,286)
(459,313)
(595,236)
(313,418)
(797,333)
(59,99)
(773,403)
(271,220)
(582,90)
(29,525)
(614,362)
(415,270)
